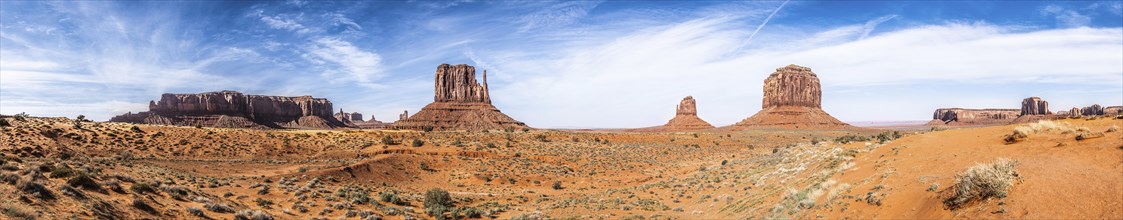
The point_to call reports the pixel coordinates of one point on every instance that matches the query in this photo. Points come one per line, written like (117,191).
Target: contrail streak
(766,19)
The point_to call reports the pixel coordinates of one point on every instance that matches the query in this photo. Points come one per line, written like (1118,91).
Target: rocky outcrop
(404,115)
(960,116)
(1074,112)
(686,117)
(457,83)
(236,110)
(792,100)
(1094,109)
(348,117)
(459,103)
(1035,106)
(1113,110)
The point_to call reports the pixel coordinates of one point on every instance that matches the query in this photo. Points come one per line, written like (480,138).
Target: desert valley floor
(52,169)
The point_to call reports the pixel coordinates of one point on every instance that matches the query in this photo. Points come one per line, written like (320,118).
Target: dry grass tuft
(981,182)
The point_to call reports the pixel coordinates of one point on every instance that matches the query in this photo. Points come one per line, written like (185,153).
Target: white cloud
(1066,17)
(636,79)
(359,65)
(556,15)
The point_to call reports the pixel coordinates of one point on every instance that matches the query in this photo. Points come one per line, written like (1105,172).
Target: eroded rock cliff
(686,117)
(236,110)
(459,103)
(792,100)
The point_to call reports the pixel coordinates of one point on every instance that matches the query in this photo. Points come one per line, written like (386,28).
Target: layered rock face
(459,103)
(234,109)
(960,116)
(1094,109)
(1113,110)
(1035,106)
(686,117)
(458,84)
(349,117)
(1035,109)
(792,100)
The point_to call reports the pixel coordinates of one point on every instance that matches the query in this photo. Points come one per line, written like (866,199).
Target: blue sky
(564,64)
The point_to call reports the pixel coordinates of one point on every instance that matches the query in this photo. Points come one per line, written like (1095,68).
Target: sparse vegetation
(981,182)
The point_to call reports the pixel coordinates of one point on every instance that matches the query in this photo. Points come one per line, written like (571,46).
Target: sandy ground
(599,174)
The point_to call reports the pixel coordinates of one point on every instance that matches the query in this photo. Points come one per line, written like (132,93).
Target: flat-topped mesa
(459,103)
(1035,106)
(792,100)
(686,118)
(457,83)
(234,109)
(792,85)
(960,116)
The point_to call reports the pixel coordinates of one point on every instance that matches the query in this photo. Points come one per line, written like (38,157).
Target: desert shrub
(136,129)
(22,116)
(264,203)
(1088,135)
(63,171)
(888,136)
(354,194)
(387,140)
(1113,128)
(425,166)
(427,129)
(142,188)
(177,192)
(438,197)
(4,122)
(391,197)
(72,192)
(472,212)
(85,181)
(29,186)
(541,138)
(851,138)
(252,215)
(557,185)
(9,178)
(143,206)
(196,211)
(417,143)
(17,213)
(218,207)
(981,182)
(526,129)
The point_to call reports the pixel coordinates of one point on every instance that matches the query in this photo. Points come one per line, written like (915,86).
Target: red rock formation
(1074,112)
(353,117)
(1035,106)
(458,84)
(233,109)
(686,117)
(404,115)
(1094,109)
(1113,110)
(459,102)
(792,100)
(959,116)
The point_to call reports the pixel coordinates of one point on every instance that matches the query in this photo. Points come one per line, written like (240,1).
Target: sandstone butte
(1032,109)
(792,100)
(960,116)
(1035,109)
(686,117)
(459,103)
(230,109)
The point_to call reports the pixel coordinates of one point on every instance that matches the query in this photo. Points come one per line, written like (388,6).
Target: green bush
(438,197)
